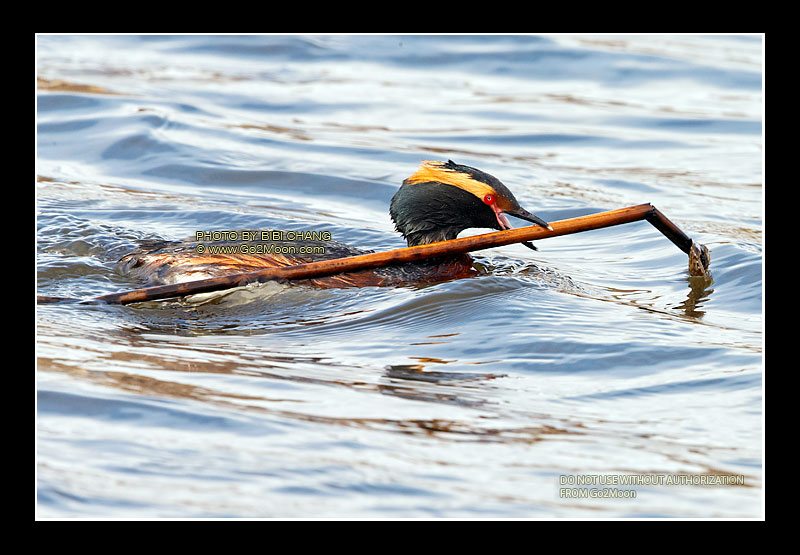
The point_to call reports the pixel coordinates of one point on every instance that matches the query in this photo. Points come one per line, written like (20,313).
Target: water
(595,356)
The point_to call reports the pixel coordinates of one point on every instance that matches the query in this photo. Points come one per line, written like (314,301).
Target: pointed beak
(525,215)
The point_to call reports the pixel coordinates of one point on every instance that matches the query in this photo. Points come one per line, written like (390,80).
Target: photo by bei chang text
(621,486)
(264,241)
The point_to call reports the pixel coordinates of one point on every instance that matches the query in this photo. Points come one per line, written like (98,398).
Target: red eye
(488,199)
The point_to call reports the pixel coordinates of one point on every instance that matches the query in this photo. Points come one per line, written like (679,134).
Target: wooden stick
(399,256)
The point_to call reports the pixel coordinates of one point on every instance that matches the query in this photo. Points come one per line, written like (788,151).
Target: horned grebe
(436,203)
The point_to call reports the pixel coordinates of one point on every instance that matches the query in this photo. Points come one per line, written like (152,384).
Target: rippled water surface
(483,397)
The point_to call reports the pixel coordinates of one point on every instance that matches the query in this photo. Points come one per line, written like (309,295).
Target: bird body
(436,203)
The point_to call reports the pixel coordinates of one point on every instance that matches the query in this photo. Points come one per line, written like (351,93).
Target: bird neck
(432,236)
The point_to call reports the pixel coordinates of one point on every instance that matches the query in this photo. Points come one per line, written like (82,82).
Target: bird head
(441,199)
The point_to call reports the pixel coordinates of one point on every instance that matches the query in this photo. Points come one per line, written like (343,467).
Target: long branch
(399,256)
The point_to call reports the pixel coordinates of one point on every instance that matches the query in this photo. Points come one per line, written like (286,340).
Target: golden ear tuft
(433,171)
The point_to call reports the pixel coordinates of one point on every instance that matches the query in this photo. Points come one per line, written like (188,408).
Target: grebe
(436,203)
